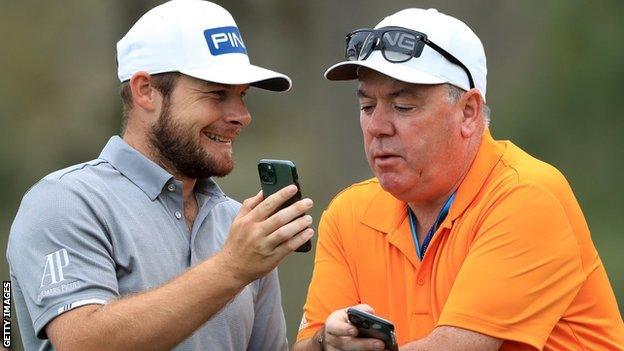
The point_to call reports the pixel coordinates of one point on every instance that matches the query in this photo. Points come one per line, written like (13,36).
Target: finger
(288,230)
(364,307)
(271,203)
(249,204)
(338,324)
(286,215)
(293,243)
(349,343)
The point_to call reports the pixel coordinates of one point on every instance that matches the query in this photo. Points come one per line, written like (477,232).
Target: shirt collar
(144,173)
(489,154)
(140,170)
(209,187)
(385,212)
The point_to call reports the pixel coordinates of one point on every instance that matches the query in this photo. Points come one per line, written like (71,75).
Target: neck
(188,184)
(191,208)
(426,214)
(427,211)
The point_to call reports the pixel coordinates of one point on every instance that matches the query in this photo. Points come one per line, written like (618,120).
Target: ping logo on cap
(224,40)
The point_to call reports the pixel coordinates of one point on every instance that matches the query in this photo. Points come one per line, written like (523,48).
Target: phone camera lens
(267,173)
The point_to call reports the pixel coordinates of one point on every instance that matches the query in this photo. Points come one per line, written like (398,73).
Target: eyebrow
(207,86)
(212,86)
(361,93)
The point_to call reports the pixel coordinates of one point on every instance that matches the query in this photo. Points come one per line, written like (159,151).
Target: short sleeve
(522,271)
(269,328)
(331,274)
(59,252)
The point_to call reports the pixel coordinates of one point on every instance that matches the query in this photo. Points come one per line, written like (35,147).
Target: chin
(223,166)
(392,183)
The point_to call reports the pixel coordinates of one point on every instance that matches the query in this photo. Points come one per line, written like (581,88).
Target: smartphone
(371,326)
(278,174)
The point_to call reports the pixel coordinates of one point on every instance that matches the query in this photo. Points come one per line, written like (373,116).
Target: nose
(378,123)
(238,114)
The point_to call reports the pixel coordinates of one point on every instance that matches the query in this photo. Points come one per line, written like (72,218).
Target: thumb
(364,307)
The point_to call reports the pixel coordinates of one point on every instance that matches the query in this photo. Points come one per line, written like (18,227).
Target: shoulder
(526,196)
(73,179)
(66,182)
(523,168)
(520,189)
(58,207)
(518,175)
(56,197)
(357,196)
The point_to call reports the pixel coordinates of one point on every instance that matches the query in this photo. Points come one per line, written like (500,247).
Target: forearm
(447,338)
(157,319)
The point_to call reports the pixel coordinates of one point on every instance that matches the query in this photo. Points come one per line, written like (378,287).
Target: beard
(181,152)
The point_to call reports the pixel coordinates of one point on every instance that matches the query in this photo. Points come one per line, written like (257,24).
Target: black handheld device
(371,326)
(278,174)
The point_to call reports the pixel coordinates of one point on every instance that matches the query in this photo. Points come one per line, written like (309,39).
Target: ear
(144,96)
(472,107)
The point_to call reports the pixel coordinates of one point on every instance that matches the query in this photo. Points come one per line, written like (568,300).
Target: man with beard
(139,249)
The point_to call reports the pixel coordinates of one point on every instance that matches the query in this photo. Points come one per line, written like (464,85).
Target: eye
(367,109)
(220,95)
(403,109)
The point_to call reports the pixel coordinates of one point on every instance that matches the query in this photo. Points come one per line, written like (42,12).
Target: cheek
(437,149)
(202,111)
(423,146)
(366,135)
(364,128)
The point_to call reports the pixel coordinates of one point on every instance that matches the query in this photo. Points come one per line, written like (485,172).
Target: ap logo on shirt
(53,271)
(224,40)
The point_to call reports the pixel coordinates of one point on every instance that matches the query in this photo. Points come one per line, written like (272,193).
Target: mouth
(217,138)
(384,155)
(386,159)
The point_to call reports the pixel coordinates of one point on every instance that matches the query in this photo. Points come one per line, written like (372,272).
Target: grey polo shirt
(114,226)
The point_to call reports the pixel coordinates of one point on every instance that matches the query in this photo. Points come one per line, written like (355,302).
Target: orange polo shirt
(513,259)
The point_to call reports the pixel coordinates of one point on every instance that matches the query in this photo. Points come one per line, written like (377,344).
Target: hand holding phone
(371,326)
(278,174)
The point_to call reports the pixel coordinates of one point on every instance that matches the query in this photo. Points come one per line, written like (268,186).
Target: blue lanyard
(420,251)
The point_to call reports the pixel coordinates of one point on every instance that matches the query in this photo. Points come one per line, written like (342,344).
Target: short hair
(454,93)
(163,82)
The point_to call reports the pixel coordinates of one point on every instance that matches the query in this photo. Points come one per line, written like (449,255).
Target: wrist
(229,270)
(319,338)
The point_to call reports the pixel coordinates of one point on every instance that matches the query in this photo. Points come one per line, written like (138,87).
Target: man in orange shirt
(463,242)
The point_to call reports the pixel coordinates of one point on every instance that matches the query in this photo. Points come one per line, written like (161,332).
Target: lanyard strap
(420,250)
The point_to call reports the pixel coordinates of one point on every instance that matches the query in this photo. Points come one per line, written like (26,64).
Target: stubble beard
(180,152)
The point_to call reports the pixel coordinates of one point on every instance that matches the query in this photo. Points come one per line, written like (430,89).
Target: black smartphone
(371,326)
(278,174)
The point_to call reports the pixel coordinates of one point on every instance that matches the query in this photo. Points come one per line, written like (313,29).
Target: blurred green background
(555,72)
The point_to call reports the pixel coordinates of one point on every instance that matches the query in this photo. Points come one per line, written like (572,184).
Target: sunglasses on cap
(397,44)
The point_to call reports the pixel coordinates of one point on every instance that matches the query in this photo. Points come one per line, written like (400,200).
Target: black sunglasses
(397,44)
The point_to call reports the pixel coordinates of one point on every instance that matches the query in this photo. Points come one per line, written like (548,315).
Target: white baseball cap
(430,67)
(196,38)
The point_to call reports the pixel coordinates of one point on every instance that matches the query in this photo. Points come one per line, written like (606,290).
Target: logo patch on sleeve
(224,40)
(54,280)
(54,266)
